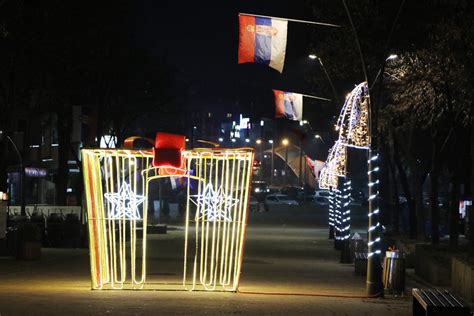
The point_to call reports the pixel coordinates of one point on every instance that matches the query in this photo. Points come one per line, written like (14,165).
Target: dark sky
(200,39)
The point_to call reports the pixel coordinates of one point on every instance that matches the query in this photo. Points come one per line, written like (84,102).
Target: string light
(374,238)
(335,166)
(353,121)
(215,205)
(118,257)
(124,203)
(220,231)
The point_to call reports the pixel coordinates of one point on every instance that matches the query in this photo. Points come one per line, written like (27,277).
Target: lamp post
(22,173)
(193,136)
(374,271)
(317,136)
(315,57)
(272,163)
(391,57)
(260,149)
(285,143)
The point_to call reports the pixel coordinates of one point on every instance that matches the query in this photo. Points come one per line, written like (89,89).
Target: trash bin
(394,272)
(55,229)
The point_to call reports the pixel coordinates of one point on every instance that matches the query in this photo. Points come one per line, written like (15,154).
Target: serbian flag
(263,41)
(288,105)
(315,166)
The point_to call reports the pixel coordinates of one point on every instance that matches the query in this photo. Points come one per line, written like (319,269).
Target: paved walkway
(279,259)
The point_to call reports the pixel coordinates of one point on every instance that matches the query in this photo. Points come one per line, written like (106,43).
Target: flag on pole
(288,105)
(263,41)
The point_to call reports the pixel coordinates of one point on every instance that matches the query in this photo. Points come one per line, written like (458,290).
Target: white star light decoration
(124,203)
(215,205)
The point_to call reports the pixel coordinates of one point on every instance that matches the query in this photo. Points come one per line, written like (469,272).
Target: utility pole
(22,174)
(273,160)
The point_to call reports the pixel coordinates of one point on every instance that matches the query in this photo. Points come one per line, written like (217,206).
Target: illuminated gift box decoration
(117,184)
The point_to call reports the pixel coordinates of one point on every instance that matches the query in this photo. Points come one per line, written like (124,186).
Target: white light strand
(353,120)
(374,245)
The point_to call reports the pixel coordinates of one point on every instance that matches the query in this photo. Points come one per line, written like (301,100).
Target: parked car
(321,200)
(295,193)
(322,193)
(260,187)
(279,199)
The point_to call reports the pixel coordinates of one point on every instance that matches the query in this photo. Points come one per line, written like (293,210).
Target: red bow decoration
(167,152)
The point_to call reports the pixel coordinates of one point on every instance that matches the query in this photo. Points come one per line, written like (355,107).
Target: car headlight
(257,190)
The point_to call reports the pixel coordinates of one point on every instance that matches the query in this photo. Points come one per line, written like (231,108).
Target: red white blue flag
(315,166)
(263,41)
(288,105)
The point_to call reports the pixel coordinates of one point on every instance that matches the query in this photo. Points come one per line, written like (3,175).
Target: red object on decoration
(167,150)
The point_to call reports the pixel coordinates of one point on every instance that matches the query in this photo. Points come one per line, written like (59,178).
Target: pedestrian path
(278,259)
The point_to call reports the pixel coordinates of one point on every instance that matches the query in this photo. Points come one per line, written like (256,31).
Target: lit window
(229,115)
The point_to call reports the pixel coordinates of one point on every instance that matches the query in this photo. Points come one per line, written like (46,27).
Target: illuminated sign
(35,172)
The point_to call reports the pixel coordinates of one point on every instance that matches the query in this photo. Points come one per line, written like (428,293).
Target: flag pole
(314,97)
(292,20)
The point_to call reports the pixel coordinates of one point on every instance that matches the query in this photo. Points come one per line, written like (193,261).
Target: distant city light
(285,142)
(233,140)
(392,56)
(195,127)
(187,140)
(270,141)
(221,139)
(262,123)
(258,141)
(312,56)
(247,140)
(243,123)
(317,136)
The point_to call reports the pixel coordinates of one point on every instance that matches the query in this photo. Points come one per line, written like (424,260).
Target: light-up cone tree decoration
(117,185)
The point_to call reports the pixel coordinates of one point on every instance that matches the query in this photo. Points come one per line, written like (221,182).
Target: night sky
(200,39)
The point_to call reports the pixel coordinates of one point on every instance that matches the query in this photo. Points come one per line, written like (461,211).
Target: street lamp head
(317,136)
(270,141)
(247,140)
(221,139)
(258,141)
(392,56)
(285,142)
(312,56)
